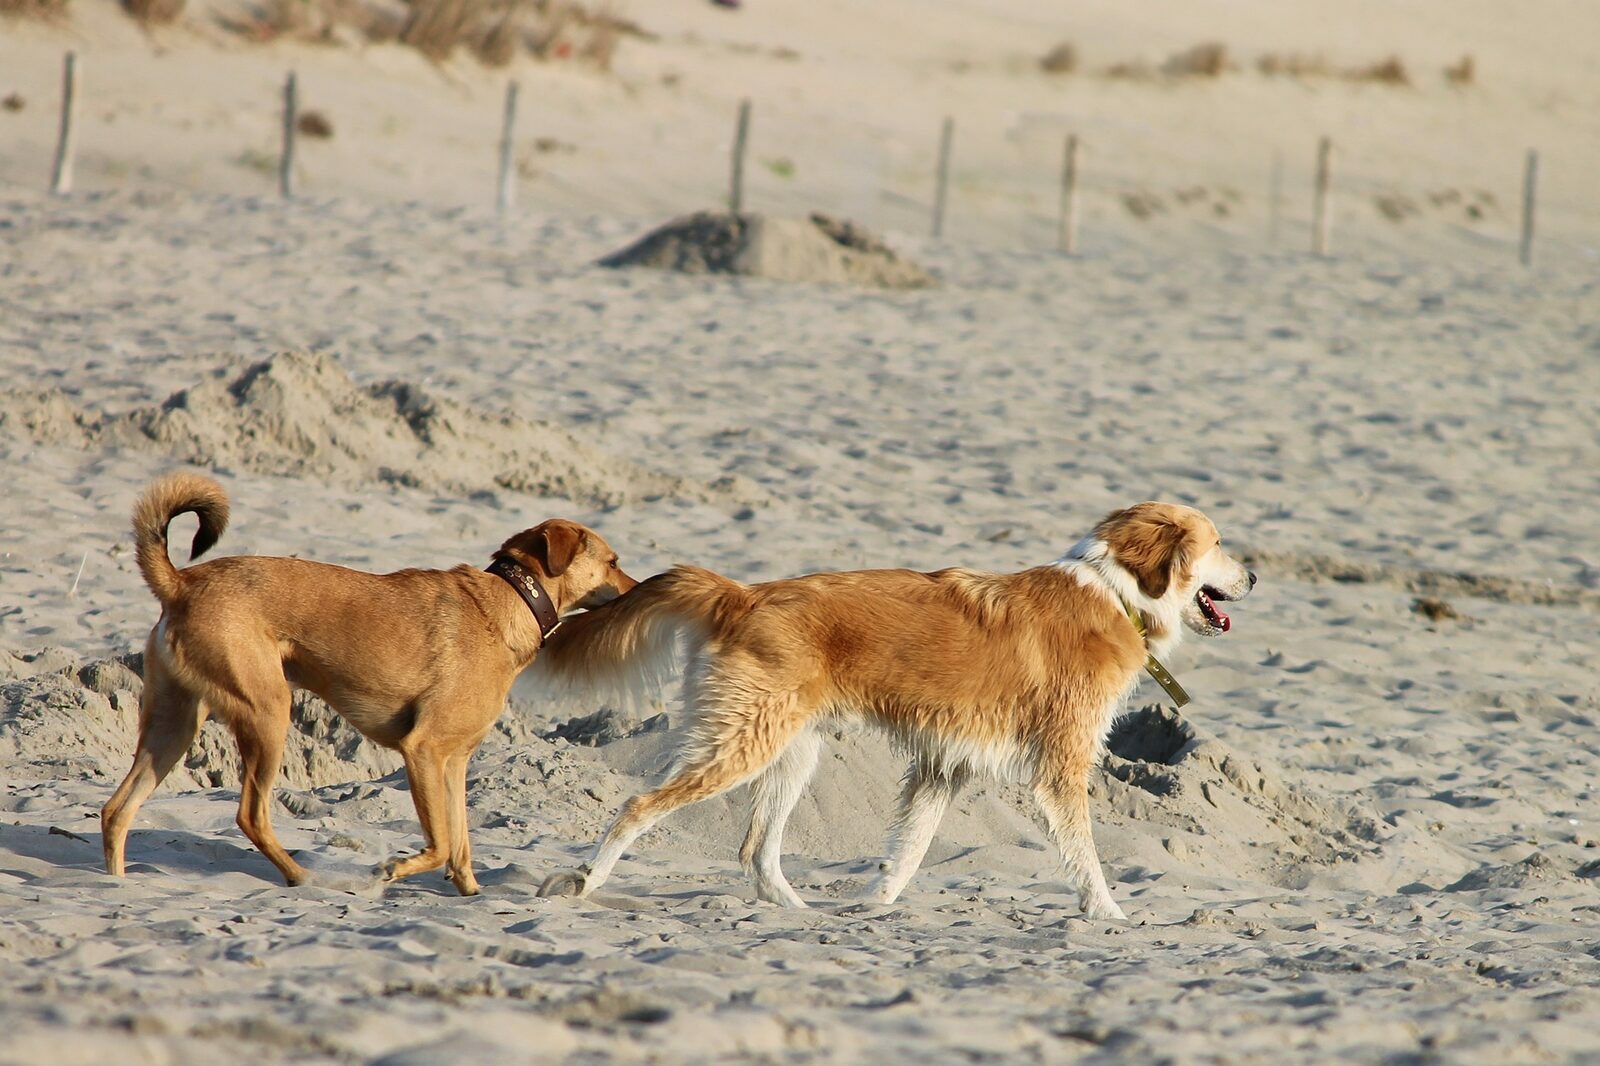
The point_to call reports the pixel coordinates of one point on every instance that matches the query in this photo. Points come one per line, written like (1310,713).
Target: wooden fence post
(291,128)
(1067,236)
(1275,208)
(1530,182)
(505,190)
(942,178)
(66,141)
(1322,221)
(741,136)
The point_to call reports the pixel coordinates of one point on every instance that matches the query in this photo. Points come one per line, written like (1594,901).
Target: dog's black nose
(1252,574)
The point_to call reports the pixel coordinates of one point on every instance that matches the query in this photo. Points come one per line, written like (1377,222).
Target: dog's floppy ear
(555,544)
(1151,548)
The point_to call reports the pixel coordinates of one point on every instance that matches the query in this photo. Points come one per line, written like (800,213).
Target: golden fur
(974,672)
(418,660)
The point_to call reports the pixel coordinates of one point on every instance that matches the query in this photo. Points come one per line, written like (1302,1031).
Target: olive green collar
(1152,665)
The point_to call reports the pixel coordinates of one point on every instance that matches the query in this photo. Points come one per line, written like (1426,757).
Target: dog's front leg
(1064,799)
(427,777)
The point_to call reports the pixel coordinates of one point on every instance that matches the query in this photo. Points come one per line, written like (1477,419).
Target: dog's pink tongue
(1220,620)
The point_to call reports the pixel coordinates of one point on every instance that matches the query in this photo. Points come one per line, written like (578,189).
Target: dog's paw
(565,883)
(1103,911)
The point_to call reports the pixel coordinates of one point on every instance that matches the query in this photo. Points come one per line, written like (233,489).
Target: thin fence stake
(66,143)
(505,191)
(1067,235)
(73,591)
(1322,220)
(291,129)
(942,185)
(741,135)
(1275,208)
(1530,183)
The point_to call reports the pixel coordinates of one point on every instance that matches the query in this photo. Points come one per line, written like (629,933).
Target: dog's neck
(526,584)
(1156,621)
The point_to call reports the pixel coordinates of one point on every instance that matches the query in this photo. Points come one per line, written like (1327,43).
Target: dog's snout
(1252,574)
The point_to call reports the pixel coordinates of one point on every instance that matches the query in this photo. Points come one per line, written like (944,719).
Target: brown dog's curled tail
(160,503)
(628,647)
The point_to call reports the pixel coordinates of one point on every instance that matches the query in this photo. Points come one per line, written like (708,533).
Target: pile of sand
(62,717)
(817,249)
(299,414)
(1226,811)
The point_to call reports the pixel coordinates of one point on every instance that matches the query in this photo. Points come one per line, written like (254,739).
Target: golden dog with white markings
(972,672)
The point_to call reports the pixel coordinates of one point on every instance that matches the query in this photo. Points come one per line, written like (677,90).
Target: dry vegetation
(33,9)
(1062,59)
(1467,206)
(1211,59)
(1390,71)
(1293,65)
(315,124)
(1463,73)
(1208,60)
(154,12)
(1193,200)
(494,31)
(497,31)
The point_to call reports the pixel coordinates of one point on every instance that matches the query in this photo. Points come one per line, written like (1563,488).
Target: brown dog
(972,672)
(419,660)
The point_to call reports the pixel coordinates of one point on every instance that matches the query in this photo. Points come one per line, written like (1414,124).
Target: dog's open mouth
(1206,598)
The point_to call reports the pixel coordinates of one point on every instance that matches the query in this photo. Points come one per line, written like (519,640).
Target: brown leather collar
(533,594)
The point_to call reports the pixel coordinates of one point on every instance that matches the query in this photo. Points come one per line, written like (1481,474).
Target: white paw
(782,895)
(1103,910)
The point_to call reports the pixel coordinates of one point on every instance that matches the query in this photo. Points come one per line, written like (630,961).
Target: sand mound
(1227,813)
(816,249)
(62,718)
(82,720)
(299,414)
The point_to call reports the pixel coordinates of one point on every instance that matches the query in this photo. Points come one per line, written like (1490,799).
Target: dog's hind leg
(260,730)
(772,799)
(929,788)
(1063,796)
(170,717)
(744,741)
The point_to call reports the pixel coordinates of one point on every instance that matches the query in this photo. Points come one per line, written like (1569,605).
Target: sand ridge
(299,414)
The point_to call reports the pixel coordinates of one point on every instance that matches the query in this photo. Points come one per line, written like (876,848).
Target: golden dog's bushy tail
(162,501)
(628,647)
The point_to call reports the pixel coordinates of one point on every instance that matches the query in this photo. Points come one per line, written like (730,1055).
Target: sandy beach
(1371,837)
